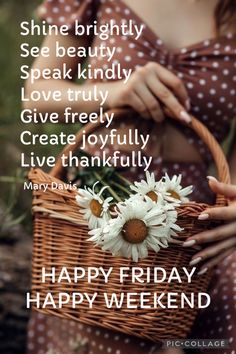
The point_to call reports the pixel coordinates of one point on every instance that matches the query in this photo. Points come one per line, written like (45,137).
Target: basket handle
(205,135)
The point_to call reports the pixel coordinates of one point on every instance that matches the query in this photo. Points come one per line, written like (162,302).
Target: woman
(182,64)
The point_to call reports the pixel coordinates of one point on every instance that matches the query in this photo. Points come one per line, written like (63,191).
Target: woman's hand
(149,89)
(221,241)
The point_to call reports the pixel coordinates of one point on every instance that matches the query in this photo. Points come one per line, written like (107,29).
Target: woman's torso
(206,66)
(178,23)
(181,36)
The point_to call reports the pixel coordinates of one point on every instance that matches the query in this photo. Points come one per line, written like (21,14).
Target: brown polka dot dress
(208,69)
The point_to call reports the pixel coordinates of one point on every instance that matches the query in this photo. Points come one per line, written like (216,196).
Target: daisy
(97,235)
(174,191)
(138,227)
(94,207)
(171,219)
(149,188)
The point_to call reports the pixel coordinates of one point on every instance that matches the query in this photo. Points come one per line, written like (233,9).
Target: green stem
(125,180)
(122,188)
(111,191)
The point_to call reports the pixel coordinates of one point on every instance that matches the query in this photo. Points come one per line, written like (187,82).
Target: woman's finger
(228,190)
(219,213)
(167,98)
(150,101)
(213,251)
(137,104)
(216,234)
(168,113)
(214,261)
(174,83)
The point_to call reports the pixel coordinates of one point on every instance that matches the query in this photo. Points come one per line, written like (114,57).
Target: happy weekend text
(137,277)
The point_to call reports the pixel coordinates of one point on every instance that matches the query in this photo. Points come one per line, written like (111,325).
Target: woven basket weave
(61,240)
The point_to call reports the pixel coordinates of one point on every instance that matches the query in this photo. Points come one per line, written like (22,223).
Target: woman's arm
(148,89)
(219,242)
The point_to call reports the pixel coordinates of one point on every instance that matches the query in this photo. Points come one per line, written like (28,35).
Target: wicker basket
(60,240)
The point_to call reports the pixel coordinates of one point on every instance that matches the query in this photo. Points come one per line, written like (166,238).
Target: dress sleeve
(66,12)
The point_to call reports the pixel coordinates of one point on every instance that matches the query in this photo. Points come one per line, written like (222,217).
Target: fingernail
(185,116)
(188,104)
(203,217)
(211,178)
(189,243)
(203,271)
(195,261)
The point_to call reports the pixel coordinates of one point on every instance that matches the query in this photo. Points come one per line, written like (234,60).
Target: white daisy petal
(97,213)
(151,217)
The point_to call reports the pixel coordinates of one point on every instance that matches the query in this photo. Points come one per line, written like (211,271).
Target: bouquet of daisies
(133,218)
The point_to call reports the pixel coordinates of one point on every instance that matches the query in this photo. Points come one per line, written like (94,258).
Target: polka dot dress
(50,335)
(208,70)
(219,320)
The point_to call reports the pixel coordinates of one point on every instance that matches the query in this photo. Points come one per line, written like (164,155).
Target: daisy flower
(174,191)
(149,188)
(139,226)
(97,235)
(93,206)
(171,219)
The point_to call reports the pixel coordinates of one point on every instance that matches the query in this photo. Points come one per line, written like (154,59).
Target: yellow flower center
(174,194)
(153,196)
(135,231)
(96,208)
